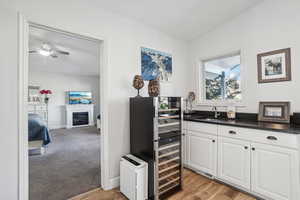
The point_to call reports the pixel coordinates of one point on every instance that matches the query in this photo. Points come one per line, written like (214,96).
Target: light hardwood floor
(195,187)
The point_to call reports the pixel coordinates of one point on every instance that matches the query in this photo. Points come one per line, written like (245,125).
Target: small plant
(46,93)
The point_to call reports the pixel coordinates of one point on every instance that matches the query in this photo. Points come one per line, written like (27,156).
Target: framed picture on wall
(274,112)
(156,65)
(274,66)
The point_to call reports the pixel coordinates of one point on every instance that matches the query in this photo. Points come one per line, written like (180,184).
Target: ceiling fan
(48,50)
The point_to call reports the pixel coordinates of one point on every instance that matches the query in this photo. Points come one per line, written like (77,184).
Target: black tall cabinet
(156,137)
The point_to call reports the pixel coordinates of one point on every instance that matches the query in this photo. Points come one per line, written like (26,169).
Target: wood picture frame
(274,66)
(274,112)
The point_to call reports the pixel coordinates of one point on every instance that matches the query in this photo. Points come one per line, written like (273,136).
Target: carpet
(70,166)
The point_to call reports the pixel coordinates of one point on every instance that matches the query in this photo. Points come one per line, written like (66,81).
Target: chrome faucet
(217,114)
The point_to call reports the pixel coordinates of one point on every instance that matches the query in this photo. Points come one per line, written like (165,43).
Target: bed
(37,129)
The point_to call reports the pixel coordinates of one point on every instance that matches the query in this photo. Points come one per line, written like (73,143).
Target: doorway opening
(61,126)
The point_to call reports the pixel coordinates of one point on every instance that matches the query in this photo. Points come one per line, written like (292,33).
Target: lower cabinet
(234,161)
(274,172)
(202,152)
(269,170)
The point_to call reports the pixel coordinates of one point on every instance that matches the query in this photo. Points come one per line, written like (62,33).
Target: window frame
(201,91)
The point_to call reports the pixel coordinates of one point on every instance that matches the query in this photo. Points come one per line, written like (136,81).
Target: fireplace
(79,115)
(80,118)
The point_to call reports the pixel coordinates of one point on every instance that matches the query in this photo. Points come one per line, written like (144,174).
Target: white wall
(8,103)
(59,84)
(124,37)
(272,25)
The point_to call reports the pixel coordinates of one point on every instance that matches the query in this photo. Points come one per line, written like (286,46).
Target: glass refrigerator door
(169,166)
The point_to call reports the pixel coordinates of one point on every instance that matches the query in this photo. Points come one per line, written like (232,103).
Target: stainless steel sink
(209,119)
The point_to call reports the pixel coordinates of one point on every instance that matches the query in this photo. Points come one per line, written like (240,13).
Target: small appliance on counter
(134,178)
(231,113)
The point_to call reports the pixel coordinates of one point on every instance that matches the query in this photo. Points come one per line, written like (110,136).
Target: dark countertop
(244,123)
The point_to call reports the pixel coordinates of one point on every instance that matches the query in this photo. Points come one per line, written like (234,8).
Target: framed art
(274,66)
(274,112)
(156,65)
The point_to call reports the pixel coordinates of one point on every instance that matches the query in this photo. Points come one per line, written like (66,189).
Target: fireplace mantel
(70,109)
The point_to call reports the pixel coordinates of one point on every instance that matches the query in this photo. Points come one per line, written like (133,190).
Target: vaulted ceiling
(83,58)
(184,19)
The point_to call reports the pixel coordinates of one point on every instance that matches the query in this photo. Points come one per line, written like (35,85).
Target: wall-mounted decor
(274,112)
(190,99)
(274,66)
(34,94)
(156,64)
(80,97)
(138,83)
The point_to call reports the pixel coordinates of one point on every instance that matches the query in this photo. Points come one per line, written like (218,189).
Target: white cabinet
(202,152)
(234,161)
(264,163)
(274,172)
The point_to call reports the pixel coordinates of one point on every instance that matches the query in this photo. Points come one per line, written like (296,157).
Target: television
(78,97)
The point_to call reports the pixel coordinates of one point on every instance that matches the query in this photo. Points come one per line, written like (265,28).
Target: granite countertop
(244,123)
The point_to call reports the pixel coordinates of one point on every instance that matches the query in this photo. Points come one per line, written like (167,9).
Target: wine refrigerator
(156,137)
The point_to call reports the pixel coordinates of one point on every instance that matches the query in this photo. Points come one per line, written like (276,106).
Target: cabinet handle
(246,147)
(213,141)
(232,132)
(253,149)
(272,138)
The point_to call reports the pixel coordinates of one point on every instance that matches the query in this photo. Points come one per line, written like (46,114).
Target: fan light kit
(48,50)
(45,52)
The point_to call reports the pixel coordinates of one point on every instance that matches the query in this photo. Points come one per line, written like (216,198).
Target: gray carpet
(70,166)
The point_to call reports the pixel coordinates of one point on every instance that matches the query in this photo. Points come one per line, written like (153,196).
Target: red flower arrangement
(45,92)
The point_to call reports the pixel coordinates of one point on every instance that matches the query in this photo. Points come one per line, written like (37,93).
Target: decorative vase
(153,88)
(138,83)
(46,100)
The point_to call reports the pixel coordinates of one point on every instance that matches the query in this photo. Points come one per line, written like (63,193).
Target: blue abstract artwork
(156,64)
(80,97)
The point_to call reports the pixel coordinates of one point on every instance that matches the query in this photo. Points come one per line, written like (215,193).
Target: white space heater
(134,178)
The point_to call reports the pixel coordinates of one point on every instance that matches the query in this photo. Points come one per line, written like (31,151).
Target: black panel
(141,126)
(141,135)
(295,118)
(80,118)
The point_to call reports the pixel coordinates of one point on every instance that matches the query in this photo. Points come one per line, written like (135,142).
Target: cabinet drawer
(233,132)
(202,127)
(260,136)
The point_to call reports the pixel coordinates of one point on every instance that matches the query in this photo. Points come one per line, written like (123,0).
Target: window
(222,78)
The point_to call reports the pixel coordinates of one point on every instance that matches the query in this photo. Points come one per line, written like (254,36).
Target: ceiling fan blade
(33,51)
(54,56)
(62,52)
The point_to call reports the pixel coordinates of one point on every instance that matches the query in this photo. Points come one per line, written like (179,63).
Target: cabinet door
(202,152)
(275,172)
(234,161)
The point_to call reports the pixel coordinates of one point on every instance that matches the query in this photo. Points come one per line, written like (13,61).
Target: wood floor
(195,187)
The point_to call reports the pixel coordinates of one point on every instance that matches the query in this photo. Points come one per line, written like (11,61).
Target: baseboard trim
(114,183)
(53,127)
